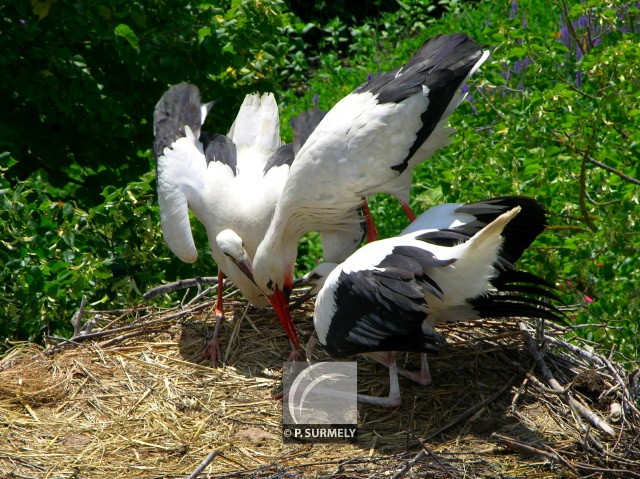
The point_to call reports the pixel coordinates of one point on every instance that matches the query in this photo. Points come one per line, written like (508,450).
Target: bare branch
(205,462)
(182,284)
(546,372)
(613,170)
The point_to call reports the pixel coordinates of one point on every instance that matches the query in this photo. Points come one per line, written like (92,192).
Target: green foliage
(553,114)
(78,80)
(53,253)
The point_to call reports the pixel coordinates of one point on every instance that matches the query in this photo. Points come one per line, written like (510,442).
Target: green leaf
(203,33)
(125,31)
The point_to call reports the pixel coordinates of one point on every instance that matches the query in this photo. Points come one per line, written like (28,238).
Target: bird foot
(420,377)
(295,356)
(423,376)
(392,400)
(213,352)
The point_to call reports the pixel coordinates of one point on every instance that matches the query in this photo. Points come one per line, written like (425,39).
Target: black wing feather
(442,64)
(384,309)
(220,148)
(178,106)
(282,156)
(521,230)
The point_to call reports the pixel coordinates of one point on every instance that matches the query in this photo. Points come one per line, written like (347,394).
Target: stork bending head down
(368,143)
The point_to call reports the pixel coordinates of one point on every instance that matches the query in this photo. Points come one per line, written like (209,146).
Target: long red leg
(407,209)
(372,232)
(212,351)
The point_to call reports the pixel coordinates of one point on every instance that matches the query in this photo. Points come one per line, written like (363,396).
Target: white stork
(368,143)
(227,181)
(231,183)
(389,295)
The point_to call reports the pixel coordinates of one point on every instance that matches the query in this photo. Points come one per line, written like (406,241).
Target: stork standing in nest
(232,184)
(389,295)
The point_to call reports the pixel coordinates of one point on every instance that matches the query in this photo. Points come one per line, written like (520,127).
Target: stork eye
(270,284)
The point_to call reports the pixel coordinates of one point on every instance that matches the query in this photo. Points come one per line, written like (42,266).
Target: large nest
(135,398)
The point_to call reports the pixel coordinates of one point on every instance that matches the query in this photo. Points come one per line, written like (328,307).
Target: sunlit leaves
(126,32)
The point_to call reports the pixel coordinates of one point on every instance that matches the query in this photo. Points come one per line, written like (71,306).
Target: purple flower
(564,36)
(315,99)
(507,72)
(23,21)
(520,65)
(472,104)
(514,10)
(525,25)
(370,77)
(579,78)
(582,22)
(464,88)
(578,53)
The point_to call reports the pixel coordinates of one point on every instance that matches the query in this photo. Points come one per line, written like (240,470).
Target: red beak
(280,304)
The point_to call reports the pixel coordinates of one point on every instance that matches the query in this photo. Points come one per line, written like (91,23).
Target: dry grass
(141,402)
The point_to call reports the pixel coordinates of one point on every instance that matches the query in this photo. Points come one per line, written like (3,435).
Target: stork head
(273,273)
(316,277)
(232,246)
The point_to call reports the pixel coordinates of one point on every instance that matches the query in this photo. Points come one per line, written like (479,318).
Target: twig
(138,325)
(132,334)
(207,460)
(409,464)
(569,25)
(472,410)
(531,449)
(613,170)
(551,380)
(182,284)
(428,451)
(410,422)
(532,55)
(520,390)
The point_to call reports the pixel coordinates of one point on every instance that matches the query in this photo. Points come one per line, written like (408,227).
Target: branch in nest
(182,284)
(140,325)
(472,410)
(425,450)
(582,410)
(526,448)
(627,394)
(206,461)
(133,334)
(555,456)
